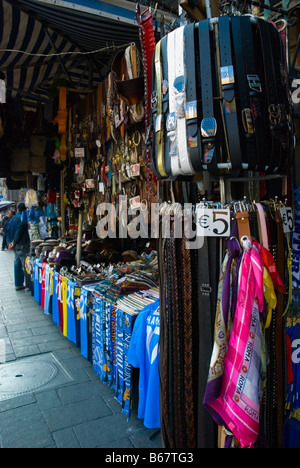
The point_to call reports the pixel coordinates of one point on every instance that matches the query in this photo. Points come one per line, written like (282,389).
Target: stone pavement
(49,394)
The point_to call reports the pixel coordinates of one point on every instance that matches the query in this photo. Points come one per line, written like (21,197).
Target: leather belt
(262,226)
(274,110)
(152,135)
(208,124)
(165,99)
(188,344)
(207,286)
(159,124)
(180,99)
(171,119)
(280,333)
(192,128)
(245,109)
(254,90)
(286,125)
(228,90)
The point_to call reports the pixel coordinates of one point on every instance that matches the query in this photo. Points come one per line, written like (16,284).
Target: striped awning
(45,40)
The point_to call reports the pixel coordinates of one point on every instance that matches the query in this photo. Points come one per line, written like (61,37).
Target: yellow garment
(51,282)
(269,294)
(65,307)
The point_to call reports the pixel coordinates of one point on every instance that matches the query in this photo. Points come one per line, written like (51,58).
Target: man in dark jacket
(19,241)
(5,222)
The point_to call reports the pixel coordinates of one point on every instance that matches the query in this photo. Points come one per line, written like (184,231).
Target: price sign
(79,153)
(287,219)
(213,223)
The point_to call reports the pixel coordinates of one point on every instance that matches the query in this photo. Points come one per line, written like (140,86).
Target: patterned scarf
(238,403)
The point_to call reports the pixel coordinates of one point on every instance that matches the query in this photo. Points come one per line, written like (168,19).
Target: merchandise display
(164,223)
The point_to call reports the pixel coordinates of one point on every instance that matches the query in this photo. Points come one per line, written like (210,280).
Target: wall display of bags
(221,100)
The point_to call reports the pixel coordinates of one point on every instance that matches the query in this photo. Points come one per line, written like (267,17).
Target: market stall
(162,202)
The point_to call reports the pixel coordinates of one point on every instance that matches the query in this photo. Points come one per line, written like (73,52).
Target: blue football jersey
(144,354)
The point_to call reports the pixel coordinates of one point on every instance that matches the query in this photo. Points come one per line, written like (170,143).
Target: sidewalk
(49,394)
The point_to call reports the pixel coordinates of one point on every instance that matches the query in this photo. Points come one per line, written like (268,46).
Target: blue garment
(144,354)
(36,281)
(12,227)
(55,311)
(83,322)
(17,230)
(21,253)
(71,329)
(47,290)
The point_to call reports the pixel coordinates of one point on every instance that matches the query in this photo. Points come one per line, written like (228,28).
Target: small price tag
(287,219)
(135,170)
(213,223)
(135,202)
(79,152)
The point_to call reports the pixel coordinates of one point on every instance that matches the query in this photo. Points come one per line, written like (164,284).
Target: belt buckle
(158,123)
(171,122)
(254,83)
(227,75)
(274,114)
(205,289)
(209,127)
(154,100)
(247,118)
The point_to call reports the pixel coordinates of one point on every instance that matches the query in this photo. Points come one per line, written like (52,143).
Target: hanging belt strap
(274,110)
(208,123)
(172,119)
(286,125)
(152,135)
(262,226)
(176,123)
(243,225)
(248,141)
(192,128)
(165,100)
(254,90)
(159,124)
(228,89)
(180,100)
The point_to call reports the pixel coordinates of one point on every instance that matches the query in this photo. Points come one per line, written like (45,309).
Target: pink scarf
(238,404)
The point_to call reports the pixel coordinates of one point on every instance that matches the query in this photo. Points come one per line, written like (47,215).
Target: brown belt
(279,335)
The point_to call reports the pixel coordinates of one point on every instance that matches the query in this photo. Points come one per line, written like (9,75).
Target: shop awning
(45,40)
(5,204)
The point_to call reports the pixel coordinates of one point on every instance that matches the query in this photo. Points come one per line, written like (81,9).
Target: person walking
(5,223)
(19,241)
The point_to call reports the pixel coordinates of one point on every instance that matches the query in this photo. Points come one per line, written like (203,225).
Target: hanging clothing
(144,354)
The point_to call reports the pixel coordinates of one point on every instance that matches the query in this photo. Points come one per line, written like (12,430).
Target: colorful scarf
(238,403)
